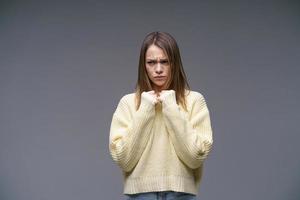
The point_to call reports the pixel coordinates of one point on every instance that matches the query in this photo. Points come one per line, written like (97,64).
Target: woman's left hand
(164,94)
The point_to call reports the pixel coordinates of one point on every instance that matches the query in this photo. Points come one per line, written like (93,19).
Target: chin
(159,83)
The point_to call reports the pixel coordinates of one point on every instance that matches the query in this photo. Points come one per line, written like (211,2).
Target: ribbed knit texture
(161,147)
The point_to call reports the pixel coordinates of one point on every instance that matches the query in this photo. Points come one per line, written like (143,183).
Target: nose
(159,68)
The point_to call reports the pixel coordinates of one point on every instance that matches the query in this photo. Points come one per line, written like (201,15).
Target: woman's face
(158,68)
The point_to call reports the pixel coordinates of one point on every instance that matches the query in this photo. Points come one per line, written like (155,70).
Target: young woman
(161,134)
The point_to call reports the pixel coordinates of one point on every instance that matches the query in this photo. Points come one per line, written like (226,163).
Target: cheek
(169,71)
(148,70)
(169,74)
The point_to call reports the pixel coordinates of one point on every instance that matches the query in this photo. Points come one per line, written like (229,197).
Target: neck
(157,90)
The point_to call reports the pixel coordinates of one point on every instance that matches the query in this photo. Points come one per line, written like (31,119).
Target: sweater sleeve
(130,131)
(191,134)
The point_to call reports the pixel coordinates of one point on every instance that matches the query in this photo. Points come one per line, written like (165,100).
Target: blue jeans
(166,195)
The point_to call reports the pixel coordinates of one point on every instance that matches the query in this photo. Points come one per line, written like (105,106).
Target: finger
(159,99)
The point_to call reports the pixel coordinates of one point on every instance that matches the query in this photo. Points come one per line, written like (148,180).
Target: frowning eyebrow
(151,59)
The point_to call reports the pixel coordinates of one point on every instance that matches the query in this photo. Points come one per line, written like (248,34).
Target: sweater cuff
(168,98)
(147,101)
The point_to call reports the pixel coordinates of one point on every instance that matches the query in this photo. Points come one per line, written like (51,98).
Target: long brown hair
(178,81)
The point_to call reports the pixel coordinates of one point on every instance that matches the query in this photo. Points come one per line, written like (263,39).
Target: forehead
(154,52)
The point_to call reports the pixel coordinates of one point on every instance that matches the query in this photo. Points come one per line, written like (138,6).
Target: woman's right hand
(151,96)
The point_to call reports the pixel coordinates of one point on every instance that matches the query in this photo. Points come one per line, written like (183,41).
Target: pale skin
(158,70)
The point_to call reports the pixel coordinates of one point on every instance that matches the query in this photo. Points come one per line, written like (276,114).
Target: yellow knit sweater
(161,147)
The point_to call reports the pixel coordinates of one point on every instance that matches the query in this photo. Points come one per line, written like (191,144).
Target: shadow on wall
(294,194)
(5,191)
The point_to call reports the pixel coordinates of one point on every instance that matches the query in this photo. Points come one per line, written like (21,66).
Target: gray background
(64,65)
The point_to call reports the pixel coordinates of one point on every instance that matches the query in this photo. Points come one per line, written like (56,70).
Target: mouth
(159,77)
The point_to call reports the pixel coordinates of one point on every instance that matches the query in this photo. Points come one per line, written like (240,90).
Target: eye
(164,62)
(150,62)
